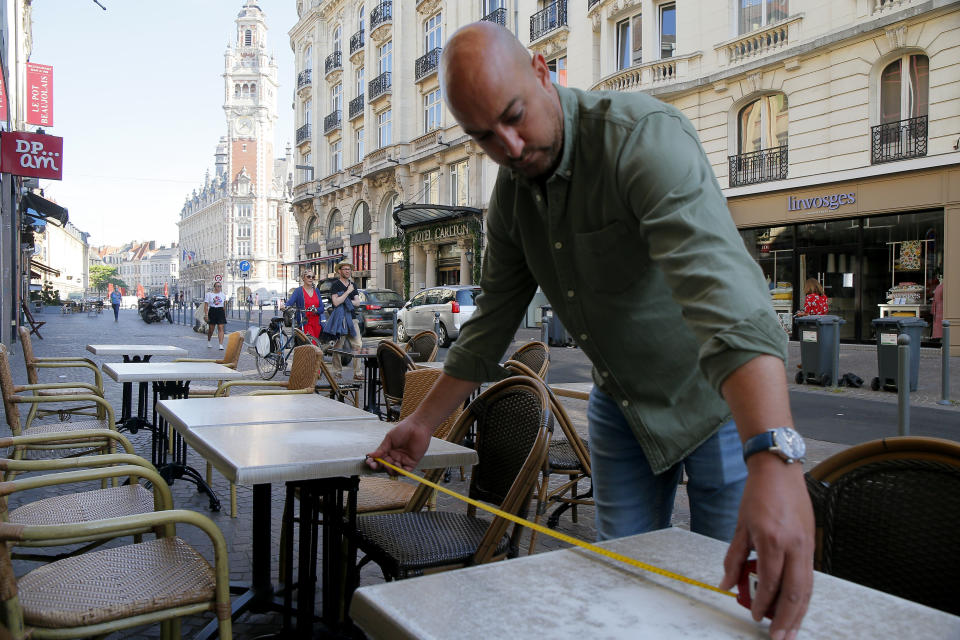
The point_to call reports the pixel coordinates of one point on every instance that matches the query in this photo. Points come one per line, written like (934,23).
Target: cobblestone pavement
(68,335)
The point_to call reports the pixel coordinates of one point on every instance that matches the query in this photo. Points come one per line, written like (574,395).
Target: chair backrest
(231,356)
(304,366)
(8,389)
(326,375)
(887,514)
(425,345)
(536,355)
(27,344)
(394,364)
(416,387)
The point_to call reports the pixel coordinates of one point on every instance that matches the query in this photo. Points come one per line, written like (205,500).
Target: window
(433,34)
(359,86)
(334,226)
(243,248)
(763,124)
(361,218)
(337,37)
(360,18)
(489,6)
(628,42)
(358,138)
(336,97)
(306,174)
(307,111)
(668,29)
(247,38)
(754,14)
(314,231)
(905,95)
(431,110)
(558,70)
(389,225)
(460,184)
(336,156)
(384,128)
(243,230)
(308,57)
(431,187)
(385,57)
(244,210)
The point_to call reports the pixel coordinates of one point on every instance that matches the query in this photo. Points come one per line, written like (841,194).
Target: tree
(101,275)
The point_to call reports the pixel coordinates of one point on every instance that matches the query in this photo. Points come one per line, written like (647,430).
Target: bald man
(608,202)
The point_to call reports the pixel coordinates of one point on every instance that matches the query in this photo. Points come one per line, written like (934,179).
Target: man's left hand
(776,519)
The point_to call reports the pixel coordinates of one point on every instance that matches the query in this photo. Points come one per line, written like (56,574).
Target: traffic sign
(244,266)
(218,278)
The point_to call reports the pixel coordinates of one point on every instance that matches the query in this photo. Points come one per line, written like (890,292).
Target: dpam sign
(33,155)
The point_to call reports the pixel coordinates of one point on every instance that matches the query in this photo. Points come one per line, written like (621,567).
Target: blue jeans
(631,499)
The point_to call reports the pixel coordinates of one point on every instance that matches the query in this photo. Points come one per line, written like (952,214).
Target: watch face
(790,443)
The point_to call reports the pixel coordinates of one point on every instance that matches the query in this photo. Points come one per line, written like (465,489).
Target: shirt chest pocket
(612,258)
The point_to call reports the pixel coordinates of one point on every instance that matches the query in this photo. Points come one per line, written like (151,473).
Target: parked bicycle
(274,343)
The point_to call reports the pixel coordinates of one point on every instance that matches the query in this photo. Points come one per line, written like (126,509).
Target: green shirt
(632,242)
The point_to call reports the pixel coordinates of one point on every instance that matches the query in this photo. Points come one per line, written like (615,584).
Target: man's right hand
(403,446)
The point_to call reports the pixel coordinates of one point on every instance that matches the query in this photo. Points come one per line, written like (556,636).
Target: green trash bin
(819,337)
(888,329)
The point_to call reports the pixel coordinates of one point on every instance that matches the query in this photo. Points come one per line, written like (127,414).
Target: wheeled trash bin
(819,339)
(557,336)
(888,370)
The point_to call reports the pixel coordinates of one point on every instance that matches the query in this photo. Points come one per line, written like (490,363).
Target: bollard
(836,354)
(544,329)
(260,315)
(395,313)
(436,323)
(903,384)
(945,365)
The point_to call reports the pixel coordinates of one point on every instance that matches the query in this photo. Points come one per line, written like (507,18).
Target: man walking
(599,184)
(342,294)
(115,300)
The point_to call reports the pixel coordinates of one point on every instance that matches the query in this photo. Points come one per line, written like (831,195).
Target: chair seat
(132,580)
(112,502)
(198,390)
(383,494)
(60,427)
(561,456)
(418,541)
(62,392)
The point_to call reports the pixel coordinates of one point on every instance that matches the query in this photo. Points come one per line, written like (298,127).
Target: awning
(329,258)
(409,215)
(42,268)
(43,208)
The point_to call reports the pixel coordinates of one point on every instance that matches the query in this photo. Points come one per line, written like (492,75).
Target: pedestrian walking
(342,295)
(214,314)
(115,300)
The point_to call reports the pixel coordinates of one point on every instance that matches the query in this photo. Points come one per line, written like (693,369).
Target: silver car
(456,303)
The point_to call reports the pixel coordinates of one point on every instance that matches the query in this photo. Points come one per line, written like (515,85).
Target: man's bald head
(481,49)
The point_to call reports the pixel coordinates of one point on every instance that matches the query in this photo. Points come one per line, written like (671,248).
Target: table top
(580,390)
(136,350)
(168,371)
(239,410)
(576,593)
(285,451)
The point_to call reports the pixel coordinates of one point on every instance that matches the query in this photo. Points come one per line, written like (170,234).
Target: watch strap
(756,444)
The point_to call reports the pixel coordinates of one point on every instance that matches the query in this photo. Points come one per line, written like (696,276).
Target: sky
(138,101)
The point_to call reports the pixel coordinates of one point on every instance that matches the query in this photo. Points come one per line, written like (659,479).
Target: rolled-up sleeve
(681,211)
(508,287)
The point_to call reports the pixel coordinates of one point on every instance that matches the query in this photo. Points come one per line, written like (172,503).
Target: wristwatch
(783,441)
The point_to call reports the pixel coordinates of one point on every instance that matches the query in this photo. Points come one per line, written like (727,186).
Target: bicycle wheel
(268,365)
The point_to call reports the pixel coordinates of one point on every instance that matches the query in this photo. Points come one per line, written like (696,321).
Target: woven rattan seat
(562,457)
(60,427)
(383,494)
(394,364)
(112,502)
(132,580)
(425,345)
(536,356)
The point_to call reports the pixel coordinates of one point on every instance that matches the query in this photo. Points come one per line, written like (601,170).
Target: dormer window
(247,38)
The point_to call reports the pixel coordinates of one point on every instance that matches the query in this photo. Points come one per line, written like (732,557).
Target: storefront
(878,246)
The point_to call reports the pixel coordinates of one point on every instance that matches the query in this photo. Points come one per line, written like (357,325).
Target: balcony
(379,86)
(591,3)
(355,107)
(303,134)
(765,165)
(381,14)
(898,140)
(304,78)
(548,19)
(759,43)
(427,64)
(333,63)
(651,74)
(498,16)
(356,42)
(332,121)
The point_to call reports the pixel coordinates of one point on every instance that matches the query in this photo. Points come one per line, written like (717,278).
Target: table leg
(372,379)
(129,422)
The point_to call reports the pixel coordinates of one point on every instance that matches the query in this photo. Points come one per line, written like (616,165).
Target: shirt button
(625,403)
(570,293)
(583,336)
(558,245)
(605,374)
(539,198)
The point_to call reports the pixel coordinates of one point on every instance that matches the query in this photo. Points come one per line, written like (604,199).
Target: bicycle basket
(262,343)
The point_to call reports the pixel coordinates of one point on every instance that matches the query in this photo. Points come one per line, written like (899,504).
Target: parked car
(375,309)
(456,303)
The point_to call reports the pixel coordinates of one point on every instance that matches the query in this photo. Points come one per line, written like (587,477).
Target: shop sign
(818,204)
(32,155)
(439,233)
(39,94)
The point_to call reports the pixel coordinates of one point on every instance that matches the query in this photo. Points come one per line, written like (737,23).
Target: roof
(411,215)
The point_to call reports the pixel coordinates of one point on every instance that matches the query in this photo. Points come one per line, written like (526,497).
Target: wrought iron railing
(303,133)
(547,19)
(381,14)
(332,121)
(379,86)
(898,140)
(334,62)
(356,42)
(590,3)
(758,166)
(497,15)
(356,107)
(427,64)
(304,78)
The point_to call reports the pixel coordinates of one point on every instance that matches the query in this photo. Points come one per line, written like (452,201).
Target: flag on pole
(109,288)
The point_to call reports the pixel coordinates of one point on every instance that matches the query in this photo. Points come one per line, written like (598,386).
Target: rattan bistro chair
(394,363)
(331,384)
(513,422)
(425,345)
(34,363)
(536,356)
(100,592)
(230,359)
(887,513)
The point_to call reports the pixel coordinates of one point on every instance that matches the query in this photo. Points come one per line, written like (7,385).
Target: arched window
(361,218)
(236,90)
(247,38)
(335,225)
(905,88)
(389,227)
(360,18)
(246,91)
(308,57)
(314,231)
(337,37)
(253,90)
(762,124)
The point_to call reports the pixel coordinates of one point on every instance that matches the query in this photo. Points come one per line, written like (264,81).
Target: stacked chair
(535,356)
(394,364)
(425,345)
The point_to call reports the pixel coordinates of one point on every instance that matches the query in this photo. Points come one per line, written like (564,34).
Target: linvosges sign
(33,155)
(817,204)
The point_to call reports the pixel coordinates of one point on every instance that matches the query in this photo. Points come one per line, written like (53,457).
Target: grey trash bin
(818,338)
(888,370)
(557,336)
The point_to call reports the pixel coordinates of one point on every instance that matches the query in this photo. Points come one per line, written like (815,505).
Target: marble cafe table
(241,410)
(574,593)
(134,353)
(322,457)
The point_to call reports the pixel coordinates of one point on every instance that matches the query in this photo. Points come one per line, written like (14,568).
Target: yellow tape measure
(613,555)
